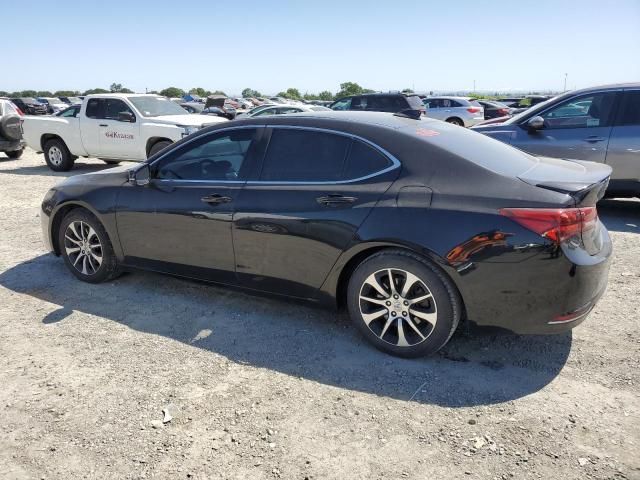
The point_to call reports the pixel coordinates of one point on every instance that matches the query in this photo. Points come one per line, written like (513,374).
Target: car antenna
(410,113)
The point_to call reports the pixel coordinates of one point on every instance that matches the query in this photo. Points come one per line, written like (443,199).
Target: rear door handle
(594,139)
(216,199)
(334,199)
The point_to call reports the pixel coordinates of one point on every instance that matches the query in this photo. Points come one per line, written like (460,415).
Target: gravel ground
(261,388)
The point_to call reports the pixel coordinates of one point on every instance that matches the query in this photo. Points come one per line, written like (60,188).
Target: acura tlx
(412,224)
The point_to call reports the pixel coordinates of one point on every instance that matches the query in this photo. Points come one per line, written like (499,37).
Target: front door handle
(216,199)
(594,139)
(104,125)
(334,199)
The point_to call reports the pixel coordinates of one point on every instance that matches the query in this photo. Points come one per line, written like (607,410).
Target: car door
(314,190)
(181,222)
(119,130)
(623,154)
(435,109)
(90,126)
(577,128)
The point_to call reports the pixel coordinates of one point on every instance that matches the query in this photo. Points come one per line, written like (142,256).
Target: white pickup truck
(112,127)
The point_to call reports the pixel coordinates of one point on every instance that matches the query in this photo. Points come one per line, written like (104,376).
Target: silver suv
(600,124)
(462,111)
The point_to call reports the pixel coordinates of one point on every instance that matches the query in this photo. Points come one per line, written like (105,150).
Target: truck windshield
(150,106)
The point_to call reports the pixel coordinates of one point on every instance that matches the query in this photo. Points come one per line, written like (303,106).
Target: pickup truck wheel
(157,147)
(15,153)
(57,156)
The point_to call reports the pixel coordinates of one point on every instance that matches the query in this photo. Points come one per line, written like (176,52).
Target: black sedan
(414,225)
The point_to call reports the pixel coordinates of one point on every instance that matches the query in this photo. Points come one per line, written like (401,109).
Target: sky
(316,45)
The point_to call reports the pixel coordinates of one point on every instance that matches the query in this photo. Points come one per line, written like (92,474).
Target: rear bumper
(551,292)
(11,145)
(471,121)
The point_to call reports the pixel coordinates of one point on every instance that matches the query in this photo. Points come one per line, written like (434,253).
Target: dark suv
(30,106)
(380,102)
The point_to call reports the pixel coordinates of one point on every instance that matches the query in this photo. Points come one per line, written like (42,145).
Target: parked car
(243,103)
(30,106)
(380,102)
(54,105)
(11,142)
(192,107)
(461,111)
(71,100)
(220,106)
(112,127)
(341,207)
(493,109)
(282,109)
(527,102)
(599,124)
(72,111)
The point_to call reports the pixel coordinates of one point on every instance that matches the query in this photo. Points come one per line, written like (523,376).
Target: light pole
(565,82)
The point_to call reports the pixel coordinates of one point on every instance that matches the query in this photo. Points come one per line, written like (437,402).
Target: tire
(111,162)
(426,327)
(157,147)
(82,230)
(10,127)
(455,121)
(15,154)
(57,156)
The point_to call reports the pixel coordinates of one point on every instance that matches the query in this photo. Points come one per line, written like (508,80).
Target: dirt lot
(262,388)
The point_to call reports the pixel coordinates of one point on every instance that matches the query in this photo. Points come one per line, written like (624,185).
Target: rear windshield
(415,102)
(475,103)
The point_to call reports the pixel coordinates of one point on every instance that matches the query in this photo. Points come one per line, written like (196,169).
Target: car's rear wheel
(403,304)
(15,154)
(86,248)
(455,121)
(57,156)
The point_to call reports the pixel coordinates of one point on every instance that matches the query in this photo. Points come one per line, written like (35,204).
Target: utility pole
(565,82)
(474,86)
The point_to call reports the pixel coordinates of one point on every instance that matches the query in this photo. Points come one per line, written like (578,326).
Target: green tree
(325,95)
(3,93)
(91,91)
(350,88)
(172,92)
(249,92)
(291,93)
(407,90)
(66,93)
(200,92)
(25,93)
(43,93)
(115,87)
(126,90)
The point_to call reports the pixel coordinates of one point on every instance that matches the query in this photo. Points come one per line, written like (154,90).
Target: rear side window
(384,103)
(415,103)
(342,104)
(364,160)
(630,109)
(304,156)
(95,108)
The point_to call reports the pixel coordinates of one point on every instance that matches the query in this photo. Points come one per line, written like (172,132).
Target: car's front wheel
(403,304)
(86,248)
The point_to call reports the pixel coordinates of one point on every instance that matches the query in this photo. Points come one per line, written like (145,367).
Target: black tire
(455,121)
(441,300)
(10,127)
(108,267)
(157,147)
(57,155)
(111,162)
(15,154)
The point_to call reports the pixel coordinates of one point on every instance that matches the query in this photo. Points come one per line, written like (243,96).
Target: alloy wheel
(398,307)
(55,156)
(83,248)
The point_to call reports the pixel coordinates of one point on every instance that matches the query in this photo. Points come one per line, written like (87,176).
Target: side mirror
(535,123)
(140,176)
(126,117)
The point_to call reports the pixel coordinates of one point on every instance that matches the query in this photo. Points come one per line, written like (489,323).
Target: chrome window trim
(395,163)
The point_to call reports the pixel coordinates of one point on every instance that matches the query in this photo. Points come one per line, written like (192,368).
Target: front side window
(304,156)
(218,156)
(114,107)
(582,112)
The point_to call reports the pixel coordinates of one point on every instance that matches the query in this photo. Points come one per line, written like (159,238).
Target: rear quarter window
(364,160)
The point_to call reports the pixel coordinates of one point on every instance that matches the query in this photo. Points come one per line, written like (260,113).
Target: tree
(407,90)
(66,93)
(95,90)
(350,88)
(325,95)
(291,93)
(201,92)
(43,93)
(249,92)
(116,87)
(126,90)
(25,93)
(172,92)
(4,94)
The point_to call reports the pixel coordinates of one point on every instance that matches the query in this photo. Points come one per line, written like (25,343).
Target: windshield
(150,106)
(74,100)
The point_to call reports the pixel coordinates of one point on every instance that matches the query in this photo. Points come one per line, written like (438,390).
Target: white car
(462,111)
(112,127)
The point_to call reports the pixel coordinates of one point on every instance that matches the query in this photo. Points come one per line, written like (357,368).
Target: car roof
(450,97)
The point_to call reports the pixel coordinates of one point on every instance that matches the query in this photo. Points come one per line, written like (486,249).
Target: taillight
(473,109)
(20,112)
(556,224)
